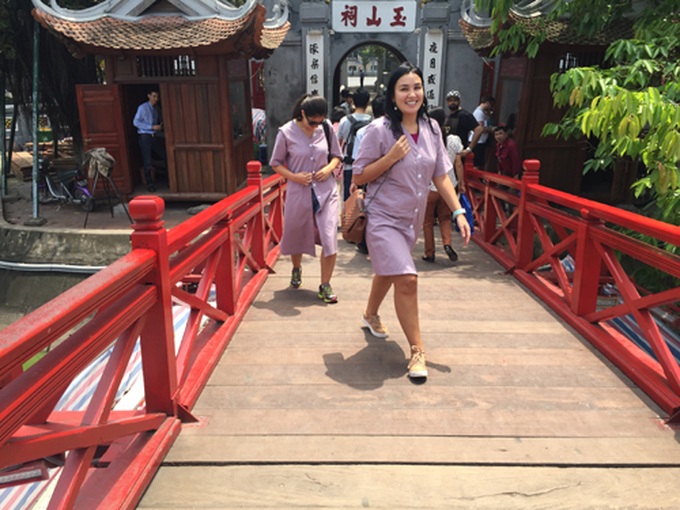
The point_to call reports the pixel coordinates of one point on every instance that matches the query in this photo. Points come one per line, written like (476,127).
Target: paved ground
(18,208)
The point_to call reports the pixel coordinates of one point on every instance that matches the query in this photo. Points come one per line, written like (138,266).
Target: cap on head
(453,93)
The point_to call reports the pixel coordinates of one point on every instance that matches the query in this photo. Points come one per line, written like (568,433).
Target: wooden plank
(417,487)
(456,398)
(431,422)
(387,374)
(553,451)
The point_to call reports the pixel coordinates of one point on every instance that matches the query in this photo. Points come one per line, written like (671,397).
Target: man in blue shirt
(149,127)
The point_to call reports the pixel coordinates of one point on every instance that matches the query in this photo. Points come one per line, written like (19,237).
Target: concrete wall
(285,69)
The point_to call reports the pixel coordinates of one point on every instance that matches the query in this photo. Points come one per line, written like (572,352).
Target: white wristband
(458,212)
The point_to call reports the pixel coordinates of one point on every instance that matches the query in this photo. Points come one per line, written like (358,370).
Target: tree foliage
(630,103)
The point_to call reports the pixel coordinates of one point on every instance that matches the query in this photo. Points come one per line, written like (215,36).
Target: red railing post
(257,249)
(587,267)
(157,337)
(525,231)
(225,277)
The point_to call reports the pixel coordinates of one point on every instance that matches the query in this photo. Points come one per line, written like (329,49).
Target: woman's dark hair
(391,109)
(439,115)
(312,105)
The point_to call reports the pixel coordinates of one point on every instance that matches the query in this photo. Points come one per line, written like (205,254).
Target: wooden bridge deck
(307,410)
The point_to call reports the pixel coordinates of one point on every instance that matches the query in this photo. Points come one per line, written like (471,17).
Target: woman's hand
(464,228)
(324,173)
(400,149)
(304,178)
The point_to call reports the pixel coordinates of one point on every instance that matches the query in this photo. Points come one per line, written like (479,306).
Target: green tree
(630,103)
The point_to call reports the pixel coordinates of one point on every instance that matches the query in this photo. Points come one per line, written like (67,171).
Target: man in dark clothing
(149,126)
(459,122)
(507,153)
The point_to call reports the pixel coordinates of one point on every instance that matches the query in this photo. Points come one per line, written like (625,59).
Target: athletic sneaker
(326,293)
(296,277)
(375,325)
(417,367)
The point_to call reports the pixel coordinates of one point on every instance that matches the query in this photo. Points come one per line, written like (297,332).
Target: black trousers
(151,145)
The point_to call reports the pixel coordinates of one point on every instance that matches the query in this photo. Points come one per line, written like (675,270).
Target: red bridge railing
(567,250)
(215,263)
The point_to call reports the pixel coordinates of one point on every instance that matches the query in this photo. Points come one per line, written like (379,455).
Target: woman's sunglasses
(314,123)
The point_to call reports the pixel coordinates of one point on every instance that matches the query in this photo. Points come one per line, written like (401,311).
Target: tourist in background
(480,136)
(507,154)
(347,131)
(149,126)
(437,208)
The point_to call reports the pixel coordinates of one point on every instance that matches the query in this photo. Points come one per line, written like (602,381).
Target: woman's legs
(406,306)
(296,274)
(379,288)
(296,260)
(325,290)
(327,267)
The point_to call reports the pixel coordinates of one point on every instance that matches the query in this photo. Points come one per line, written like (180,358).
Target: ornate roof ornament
(476,26)
(521,8)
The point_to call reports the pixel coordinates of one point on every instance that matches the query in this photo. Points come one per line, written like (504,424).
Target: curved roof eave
(132,10)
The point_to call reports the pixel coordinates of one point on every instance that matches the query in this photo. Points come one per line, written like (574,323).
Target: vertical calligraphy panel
(432,66)
(314,56)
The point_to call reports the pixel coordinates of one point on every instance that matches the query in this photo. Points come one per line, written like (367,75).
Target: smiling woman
(401,153)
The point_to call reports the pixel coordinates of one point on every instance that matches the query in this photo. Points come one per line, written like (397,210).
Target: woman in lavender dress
(399,155)
(306,157)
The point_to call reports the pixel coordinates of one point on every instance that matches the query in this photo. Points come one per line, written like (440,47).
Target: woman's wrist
(458,212)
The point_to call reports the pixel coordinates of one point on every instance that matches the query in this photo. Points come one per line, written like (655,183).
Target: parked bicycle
(65,185)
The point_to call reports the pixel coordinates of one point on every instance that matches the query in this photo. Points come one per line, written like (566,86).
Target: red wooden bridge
(515,386)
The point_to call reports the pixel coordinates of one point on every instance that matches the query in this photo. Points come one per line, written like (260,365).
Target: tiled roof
(561,32)
(163,32)
(273,37)
(151,33)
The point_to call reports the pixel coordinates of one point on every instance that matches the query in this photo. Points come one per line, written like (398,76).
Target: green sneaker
(296,277)
(326,294)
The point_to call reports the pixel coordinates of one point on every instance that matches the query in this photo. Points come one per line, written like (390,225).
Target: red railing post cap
(531,165)
(254,167)
(146,210)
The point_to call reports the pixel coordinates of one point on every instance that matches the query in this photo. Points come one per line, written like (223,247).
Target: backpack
(355,125)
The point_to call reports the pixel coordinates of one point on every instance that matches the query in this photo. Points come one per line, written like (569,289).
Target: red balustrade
(531,229)
(228,250)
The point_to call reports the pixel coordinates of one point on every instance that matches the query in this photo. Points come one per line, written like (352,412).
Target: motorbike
(65,185)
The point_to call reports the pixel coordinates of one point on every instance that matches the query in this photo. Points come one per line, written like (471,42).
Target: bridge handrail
(530,229)
(214,263)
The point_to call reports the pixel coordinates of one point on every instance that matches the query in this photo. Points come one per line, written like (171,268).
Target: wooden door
(101,122)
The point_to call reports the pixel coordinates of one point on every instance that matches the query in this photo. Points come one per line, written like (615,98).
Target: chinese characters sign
(315,63)
(361,16)
(432,65)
